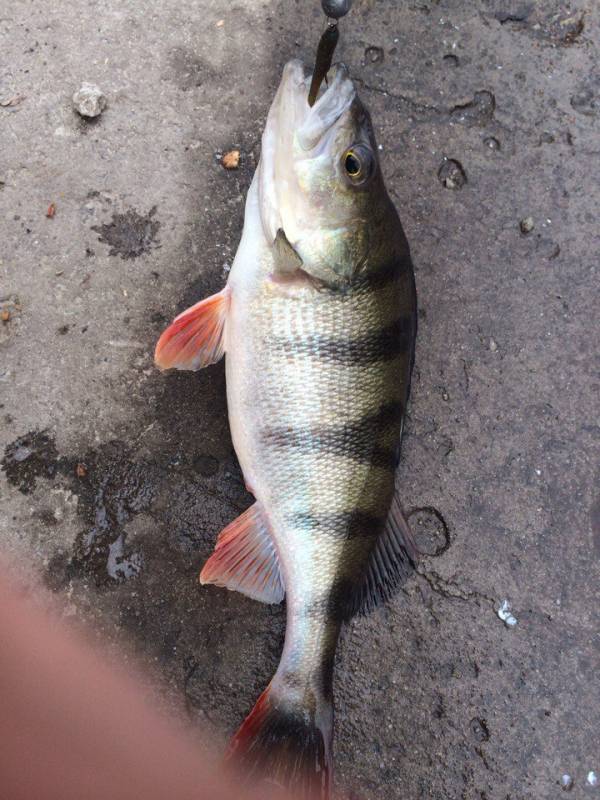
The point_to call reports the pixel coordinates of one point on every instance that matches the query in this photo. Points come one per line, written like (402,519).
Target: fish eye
(352,164)
(358,163)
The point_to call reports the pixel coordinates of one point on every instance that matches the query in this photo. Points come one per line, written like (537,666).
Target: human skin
(76,726)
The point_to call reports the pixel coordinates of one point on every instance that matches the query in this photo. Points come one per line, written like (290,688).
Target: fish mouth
(311,123)
(293,129)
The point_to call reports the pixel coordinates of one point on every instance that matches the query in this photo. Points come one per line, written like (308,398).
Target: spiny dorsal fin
(391,562)
(195,338)
(245,559)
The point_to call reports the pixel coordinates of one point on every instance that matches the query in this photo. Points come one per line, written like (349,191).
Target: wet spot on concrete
(28,458)
(113,489)
(206,465)
(477,112)
(430,530)
(186,69)
(47,517)
(130,234)
(110,490)
(452,174)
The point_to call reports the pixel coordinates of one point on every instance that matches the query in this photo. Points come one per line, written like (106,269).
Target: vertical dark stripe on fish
(338,525)
(357,440)
(381,346)
(335,603)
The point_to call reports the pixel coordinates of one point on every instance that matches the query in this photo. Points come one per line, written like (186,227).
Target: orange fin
(245,559)
(195,338)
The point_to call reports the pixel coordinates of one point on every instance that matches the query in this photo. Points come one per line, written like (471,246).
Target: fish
(317,322)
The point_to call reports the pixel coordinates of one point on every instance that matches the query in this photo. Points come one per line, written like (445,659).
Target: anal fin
(195,338)
(391,562)
(245,559)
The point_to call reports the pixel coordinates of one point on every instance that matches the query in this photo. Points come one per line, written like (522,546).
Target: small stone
(566,781)
(15,100)
(81,470)
(89,100)
(592,778)
(5,315)
(505,614)
(51,211)
(526,225)
(492,143)
(231,160)
(493,345)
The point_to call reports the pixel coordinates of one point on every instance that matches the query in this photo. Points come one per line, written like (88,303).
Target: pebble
(89,100)
(592,778)
(493,345)
(231,160)
(505,614)
(492,143)
(527,225)
(566,781)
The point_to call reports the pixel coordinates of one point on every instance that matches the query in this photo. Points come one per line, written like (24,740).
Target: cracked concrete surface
(116,479)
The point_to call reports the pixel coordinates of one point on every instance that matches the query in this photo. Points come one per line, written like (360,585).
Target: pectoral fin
(245,559)
(287,260)
(195,338)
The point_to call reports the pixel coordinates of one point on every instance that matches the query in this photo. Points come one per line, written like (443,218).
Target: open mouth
(293,111)
(293,124)
(328,108)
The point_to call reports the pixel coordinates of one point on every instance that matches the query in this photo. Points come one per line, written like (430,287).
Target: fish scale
(318,324)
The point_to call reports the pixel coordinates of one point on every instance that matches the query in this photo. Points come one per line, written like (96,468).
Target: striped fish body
(318,364)
(317,383)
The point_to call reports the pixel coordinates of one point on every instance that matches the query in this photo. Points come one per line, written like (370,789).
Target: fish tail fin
(288,741)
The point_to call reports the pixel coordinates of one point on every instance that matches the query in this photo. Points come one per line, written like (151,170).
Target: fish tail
(287,740)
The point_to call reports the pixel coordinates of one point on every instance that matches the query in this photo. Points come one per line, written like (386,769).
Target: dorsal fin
(393,559)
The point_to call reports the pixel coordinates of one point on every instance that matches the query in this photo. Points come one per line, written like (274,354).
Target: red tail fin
(287,743)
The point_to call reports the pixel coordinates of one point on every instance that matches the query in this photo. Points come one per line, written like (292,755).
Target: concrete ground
(116,478)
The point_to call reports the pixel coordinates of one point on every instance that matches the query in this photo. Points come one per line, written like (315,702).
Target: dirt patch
(130,234)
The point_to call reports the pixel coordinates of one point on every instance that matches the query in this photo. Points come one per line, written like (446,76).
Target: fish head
(320,183)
